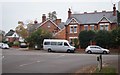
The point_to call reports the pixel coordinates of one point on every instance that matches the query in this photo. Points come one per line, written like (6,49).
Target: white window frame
(72,29)
(103,25)
(92,27)
(85,26)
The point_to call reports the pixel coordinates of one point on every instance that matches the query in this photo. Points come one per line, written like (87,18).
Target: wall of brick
(61,34)
(50,27)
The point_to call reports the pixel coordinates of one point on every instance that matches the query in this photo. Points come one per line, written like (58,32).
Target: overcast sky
(12,11)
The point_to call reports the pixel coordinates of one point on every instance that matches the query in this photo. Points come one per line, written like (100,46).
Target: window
(92,27)
(104,26)
(53,43)
(65,44)
(47,43)
(85,27)
(59,43)
(73,28)
(101,27)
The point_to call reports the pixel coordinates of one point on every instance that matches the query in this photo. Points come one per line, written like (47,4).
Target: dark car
(23,45)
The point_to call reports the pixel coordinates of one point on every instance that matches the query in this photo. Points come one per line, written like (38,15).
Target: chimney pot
(85,12)
(43,18)
(114,10)
(95,11)
(69,13)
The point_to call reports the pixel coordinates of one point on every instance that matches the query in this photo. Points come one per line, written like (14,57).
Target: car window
(59,43)
(53,43)
(65,44)
(47,43)
(98,47)
(92,47)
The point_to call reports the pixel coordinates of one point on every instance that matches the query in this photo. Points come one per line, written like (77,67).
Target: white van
(57,45)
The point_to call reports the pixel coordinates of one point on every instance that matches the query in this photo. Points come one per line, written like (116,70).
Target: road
(18,61)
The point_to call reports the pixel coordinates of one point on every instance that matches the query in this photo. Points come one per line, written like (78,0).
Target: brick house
(75,23)
(12,36)
(105,20)
(54,26)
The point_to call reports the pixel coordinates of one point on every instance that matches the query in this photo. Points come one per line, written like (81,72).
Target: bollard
(99,59)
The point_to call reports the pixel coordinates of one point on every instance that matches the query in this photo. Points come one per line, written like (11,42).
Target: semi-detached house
(105,20)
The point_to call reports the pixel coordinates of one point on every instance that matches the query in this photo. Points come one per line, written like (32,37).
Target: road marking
(3,56)
(60,56)
(29,63)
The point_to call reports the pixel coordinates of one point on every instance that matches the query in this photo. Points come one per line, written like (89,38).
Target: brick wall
(61,34)
(50,27)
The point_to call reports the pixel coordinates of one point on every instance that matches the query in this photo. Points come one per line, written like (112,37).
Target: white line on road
(29,63)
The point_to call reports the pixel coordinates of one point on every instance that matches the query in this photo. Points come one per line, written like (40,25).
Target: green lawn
(106,71)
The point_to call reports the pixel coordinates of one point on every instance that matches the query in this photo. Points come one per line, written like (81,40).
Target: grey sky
(14,11)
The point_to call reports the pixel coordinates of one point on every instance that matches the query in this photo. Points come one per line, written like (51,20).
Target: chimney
(85,12)
(69,13)
(43,18)
(103,11)
(58,21)
(95,11)
(35,21)
(114,10)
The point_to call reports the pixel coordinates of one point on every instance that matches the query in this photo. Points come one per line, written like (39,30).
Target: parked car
(23,45)
(4,46)
(96,49)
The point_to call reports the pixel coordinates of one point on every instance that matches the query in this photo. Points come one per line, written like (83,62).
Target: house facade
(12,36)
(75,23)
(105,20)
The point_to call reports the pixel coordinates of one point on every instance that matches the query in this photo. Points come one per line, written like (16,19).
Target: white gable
(15,35)
(73,21)
(104,19)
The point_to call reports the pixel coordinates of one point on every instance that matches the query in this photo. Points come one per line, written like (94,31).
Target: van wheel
(49,50)
(68,51)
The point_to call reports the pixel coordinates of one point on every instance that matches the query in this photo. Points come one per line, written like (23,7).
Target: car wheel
(89,52)
(68,51)
(49,50)
(104,52)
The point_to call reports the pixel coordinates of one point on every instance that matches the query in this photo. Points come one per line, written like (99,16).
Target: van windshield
(66,44)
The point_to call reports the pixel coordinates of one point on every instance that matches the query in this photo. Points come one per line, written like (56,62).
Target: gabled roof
(10,33)
(61,25)
(32,27)
(69,20)
(47,21)
(93,18)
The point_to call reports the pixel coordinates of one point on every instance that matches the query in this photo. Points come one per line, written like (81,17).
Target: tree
(118,18)
(115,35)
(103,38)
(37,37)
(85,37)
(52,15)
(21,30)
